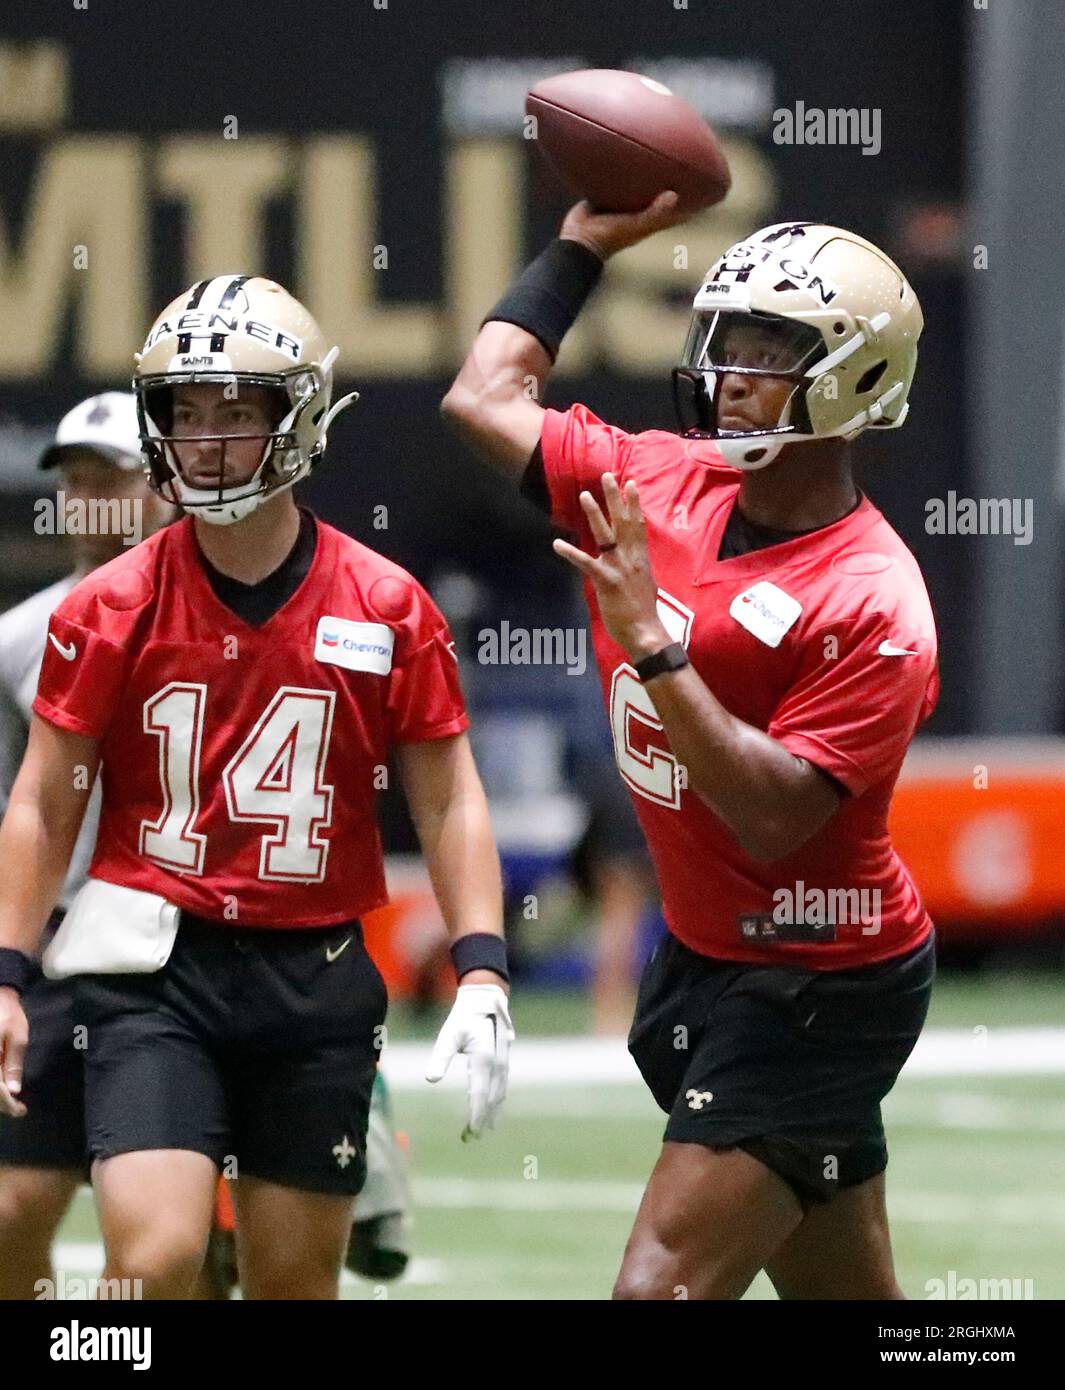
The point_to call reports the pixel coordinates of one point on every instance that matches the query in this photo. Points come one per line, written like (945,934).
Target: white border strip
(577,1061)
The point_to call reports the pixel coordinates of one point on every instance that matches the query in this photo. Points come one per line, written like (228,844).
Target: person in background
(97,456)
(613,870)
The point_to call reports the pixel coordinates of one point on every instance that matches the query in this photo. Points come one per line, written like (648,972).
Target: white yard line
(917,1109)
(579,1061)
(1043,1213)
(85,1259)
(922,1208)
(517,1194)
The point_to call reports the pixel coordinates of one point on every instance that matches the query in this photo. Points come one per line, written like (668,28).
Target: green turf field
(541,1208)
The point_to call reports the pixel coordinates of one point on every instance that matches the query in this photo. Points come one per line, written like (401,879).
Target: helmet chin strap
(753,451)
(227,513)
(756,450)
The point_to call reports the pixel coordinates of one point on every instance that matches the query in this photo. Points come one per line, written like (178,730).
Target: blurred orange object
(224,1216)
(978,823)
(408,935)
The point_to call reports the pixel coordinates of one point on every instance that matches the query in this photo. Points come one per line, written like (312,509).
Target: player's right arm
(494,401)
(37,837)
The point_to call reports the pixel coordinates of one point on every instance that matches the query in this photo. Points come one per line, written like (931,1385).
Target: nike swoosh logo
(68,653)
(886,649)
(331,955)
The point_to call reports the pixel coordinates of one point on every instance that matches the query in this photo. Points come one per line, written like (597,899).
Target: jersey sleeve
(425,698)
(862,691)
(577,449)
(81,676)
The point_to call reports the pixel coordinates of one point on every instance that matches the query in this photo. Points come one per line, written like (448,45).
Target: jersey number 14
(275,777)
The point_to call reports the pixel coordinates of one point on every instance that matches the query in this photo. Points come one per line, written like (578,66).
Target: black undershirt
(257,603)
(533,486)
(743,535)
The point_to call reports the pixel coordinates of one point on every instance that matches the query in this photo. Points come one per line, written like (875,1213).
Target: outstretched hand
(624,581)
(606,233)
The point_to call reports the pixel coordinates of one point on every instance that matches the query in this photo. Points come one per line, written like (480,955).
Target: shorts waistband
(192,924)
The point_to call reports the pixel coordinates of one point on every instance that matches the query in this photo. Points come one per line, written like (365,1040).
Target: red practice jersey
(240,764)
(826,642)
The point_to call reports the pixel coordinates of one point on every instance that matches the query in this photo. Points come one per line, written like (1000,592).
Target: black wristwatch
(671,658)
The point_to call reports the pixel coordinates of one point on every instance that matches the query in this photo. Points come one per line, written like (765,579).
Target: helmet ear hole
(870,377)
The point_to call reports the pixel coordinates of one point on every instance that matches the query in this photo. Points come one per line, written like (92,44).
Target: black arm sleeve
(547,297)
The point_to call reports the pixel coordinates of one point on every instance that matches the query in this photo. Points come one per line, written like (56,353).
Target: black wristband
(671,658)
(481,950)
(16,968)
(549,294)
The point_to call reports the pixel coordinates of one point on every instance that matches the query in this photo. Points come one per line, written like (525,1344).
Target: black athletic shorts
(789,1064)
(52,1132)
(256,1047)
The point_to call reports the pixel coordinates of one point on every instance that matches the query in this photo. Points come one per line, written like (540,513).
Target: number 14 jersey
(241,764)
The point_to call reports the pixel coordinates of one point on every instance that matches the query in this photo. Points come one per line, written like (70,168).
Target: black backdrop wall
(371,156)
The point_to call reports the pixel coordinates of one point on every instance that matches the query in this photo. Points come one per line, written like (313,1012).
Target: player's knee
(163,1266)
(882,1287)
(300,1276)
(834,1282)
(295,1282)
(15,1215)
(645,1275)
(25,1217)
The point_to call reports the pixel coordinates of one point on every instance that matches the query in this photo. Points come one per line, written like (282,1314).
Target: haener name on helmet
(221,324)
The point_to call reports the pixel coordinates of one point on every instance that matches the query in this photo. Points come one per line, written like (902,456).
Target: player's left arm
(771,800)
(450,813)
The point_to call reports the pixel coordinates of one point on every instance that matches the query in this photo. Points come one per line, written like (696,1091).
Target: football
(619,139)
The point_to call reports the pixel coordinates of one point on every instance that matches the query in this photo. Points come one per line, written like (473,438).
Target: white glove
(479,1026)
